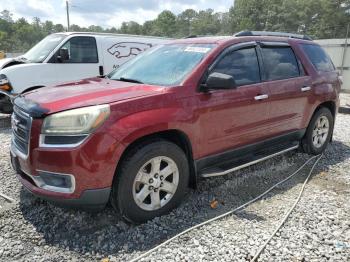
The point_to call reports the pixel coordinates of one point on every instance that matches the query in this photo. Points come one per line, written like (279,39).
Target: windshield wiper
(129,80)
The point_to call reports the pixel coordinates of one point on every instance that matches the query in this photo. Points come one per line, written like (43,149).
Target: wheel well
(175,136)
(330,105)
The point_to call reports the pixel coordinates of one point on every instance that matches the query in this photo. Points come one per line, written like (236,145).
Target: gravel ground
(317,230)
(345,99)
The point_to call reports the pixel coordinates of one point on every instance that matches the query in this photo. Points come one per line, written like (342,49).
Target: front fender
(25,76)
(130,128)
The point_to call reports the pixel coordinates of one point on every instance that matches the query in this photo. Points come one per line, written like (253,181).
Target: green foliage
(317,18)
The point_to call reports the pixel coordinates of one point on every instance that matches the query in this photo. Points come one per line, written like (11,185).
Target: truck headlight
(5,83)
(76,122)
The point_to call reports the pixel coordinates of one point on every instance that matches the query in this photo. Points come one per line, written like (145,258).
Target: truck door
(82,60)
(286,82)
(239,116)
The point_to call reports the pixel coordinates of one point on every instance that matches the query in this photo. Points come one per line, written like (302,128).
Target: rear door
(288,87)
(83,59)
(233,117)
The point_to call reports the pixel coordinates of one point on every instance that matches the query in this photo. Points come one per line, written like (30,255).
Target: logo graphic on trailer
(126,49)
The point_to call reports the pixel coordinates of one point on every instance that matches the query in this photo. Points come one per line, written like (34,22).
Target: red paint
(213,122)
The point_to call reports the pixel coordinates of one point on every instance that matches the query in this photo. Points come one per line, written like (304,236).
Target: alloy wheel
(320,132)
(155,183)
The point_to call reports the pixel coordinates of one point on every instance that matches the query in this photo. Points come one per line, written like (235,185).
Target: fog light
(57,182)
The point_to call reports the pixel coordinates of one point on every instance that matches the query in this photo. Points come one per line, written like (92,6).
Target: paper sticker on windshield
(197,49)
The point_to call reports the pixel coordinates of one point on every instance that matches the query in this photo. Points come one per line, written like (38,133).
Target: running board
(225,172)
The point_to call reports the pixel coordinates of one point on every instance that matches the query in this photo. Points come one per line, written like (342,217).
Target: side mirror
(219,81)
(63,55)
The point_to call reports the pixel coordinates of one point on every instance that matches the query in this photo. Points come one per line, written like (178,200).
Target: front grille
(21,125)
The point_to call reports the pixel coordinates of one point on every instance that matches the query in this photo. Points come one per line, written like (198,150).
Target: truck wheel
(151,181)
(319,132)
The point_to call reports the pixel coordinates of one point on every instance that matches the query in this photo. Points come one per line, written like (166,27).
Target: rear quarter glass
(318,57)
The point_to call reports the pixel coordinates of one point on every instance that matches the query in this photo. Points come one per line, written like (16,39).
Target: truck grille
(21,124)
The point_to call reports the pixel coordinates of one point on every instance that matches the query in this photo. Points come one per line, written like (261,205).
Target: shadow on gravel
(105,234)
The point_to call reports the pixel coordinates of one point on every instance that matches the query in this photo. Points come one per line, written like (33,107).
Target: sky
(105,13)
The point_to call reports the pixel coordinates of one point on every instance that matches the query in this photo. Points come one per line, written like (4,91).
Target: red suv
(191,108)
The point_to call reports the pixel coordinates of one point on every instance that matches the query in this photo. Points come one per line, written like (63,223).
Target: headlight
(77,121)
(4,83)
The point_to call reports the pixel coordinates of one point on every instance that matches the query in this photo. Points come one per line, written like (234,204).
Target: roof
(111,34)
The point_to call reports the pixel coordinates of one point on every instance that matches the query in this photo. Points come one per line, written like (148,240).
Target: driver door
(83,60)
(231,118)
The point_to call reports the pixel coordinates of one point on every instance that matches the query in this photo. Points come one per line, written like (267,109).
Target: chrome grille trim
(21,131)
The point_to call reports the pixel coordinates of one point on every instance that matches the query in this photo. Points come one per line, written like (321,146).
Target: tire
(315,140)
(131,186)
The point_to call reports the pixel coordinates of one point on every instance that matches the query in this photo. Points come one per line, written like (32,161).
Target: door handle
(261,97)
(305,88)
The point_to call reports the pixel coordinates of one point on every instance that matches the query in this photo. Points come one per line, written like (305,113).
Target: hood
(87,92)
(6,62)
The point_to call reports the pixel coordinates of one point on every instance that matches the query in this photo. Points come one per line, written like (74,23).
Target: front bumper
(90,199)
(91,166)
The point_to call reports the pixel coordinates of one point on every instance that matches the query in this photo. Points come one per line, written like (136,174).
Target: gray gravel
(318,229)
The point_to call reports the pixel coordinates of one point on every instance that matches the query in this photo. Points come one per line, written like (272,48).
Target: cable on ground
(231,212)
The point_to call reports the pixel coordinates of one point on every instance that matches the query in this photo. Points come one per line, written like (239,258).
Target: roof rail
(267,33)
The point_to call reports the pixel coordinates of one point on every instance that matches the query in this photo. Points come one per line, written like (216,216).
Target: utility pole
(67,8)
(345,49)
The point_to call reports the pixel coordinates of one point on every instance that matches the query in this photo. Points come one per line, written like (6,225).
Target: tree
(149,28)
(206,23)
(166,24)
(7,16)
(185,22)
(317,18)
(131,27)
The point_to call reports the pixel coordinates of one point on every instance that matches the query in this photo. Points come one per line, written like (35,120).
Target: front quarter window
(165,65)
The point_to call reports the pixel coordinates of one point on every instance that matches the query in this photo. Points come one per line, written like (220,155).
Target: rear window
(280,63)
(318,57)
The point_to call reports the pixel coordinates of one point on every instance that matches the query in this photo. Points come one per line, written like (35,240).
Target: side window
(242,65)
(318,57)
(81,49)
(280,63)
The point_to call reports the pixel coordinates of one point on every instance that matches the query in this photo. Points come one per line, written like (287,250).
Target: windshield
(164,65)
(42,49)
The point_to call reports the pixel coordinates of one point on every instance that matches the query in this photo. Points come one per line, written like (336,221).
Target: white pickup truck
(63,57)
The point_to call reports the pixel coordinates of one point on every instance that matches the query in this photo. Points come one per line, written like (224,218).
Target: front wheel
(319,132)
(151,181)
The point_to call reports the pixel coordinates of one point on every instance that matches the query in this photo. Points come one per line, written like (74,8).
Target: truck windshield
(42,49)
(165,65)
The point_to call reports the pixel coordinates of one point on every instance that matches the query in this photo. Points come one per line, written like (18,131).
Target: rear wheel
(151,182)
(319,132)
